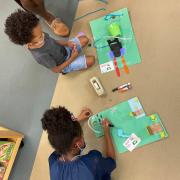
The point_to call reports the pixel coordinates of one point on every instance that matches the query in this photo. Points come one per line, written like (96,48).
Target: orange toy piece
(125,65)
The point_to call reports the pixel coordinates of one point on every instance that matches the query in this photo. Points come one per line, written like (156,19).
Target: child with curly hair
(66,137)
(23,28)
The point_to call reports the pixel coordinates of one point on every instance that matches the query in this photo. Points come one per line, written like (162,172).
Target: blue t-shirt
(91,166)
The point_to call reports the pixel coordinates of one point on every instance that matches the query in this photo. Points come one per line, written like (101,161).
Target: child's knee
(90,60)
(84,40)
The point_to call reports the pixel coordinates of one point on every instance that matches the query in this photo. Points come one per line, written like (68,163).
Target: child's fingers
(74,50)
(86,113)
(75,47)
(105,123)
(87,109)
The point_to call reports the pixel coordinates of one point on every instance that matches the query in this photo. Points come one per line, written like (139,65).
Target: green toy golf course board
(100,33)
(130,117)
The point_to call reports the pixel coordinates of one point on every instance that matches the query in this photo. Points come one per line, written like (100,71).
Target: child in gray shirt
(23,28)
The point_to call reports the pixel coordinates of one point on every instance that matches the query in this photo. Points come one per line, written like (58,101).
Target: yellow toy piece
(136,99)
(131,114)
(153,117)
(162,134)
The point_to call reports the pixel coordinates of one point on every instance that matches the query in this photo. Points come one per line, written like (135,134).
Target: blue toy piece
(122,134)
(112,16)
(111,55)
(122,51)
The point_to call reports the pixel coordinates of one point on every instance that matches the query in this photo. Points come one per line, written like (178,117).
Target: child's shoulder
(94,154)
(54,156)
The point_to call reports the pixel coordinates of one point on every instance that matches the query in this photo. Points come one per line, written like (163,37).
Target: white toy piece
(97,86)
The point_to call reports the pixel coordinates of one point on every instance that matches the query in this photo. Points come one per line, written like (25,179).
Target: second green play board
(100,33)
(130,117)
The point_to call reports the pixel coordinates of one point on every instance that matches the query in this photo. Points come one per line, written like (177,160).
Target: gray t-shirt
(51,54)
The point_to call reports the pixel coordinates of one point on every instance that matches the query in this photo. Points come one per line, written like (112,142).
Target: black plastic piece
(115,46)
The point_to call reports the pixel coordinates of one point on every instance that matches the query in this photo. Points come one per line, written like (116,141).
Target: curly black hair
(61,128)
(19,26)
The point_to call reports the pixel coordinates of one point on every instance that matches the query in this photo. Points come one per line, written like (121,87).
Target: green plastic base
(121,117)
(100,31)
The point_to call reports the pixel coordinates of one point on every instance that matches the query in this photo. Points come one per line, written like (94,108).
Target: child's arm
(67,43)
(63,43)
(110,152)
(73,56)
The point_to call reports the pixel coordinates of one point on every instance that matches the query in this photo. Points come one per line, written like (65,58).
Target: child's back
(66,137)
(91,166)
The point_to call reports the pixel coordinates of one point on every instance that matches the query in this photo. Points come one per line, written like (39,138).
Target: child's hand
(71,44)
(74,53)
(85,114)
(105,124)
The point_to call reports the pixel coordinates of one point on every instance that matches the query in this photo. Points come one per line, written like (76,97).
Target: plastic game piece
(136,99)
(95,125)
(115,46)
(122,51)
(116,67)
(153,117)
(155,128)
(136,113)
(114,29)
(111,55)
(149,130)
(162,134)
(131,114)
(136,108)
(112,16)
(122,134)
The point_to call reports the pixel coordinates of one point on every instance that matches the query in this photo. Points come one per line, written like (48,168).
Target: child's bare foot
(85,114)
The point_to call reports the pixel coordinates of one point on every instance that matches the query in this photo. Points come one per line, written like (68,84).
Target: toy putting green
(130,117)
(100,31)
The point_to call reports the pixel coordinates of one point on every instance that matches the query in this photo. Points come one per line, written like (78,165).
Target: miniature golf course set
(117,48)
